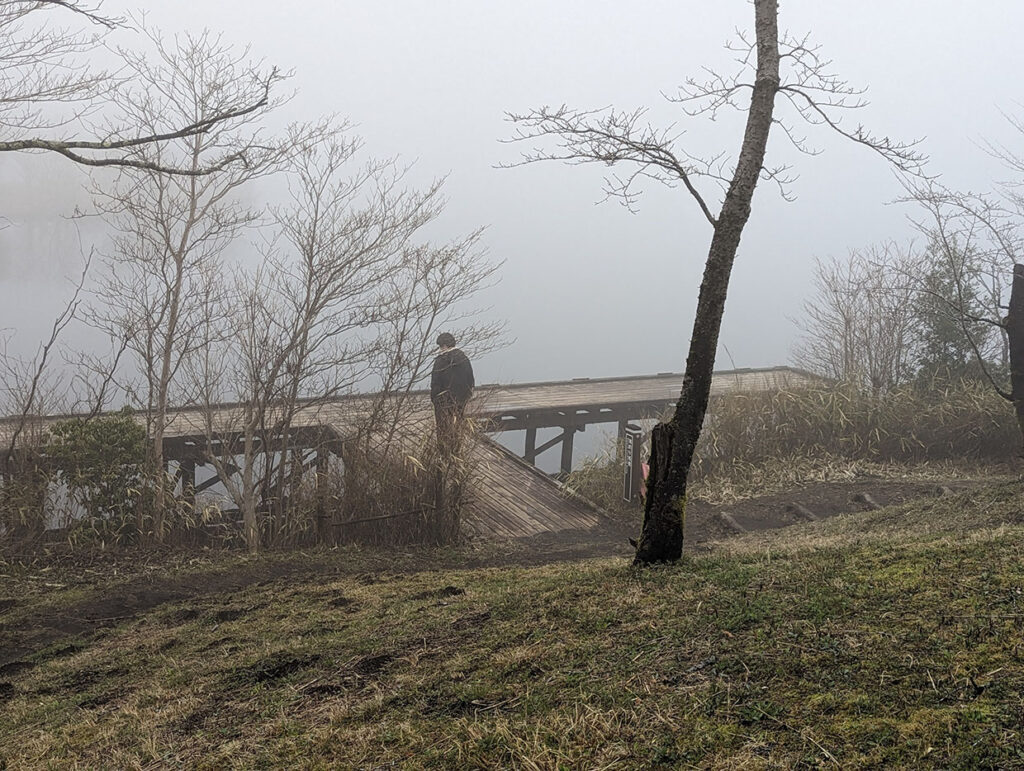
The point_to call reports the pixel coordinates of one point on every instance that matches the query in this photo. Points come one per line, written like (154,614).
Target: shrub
(102,463)
(23,498)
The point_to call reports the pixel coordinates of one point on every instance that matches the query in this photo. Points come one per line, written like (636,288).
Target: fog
(587,290)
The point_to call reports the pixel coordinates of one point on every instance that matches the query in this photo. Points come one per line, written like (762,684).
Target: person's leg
(444,417)
(458,425)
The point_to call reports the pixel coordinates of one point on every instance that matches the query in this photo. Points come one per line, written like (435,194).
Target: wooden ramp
(512,499)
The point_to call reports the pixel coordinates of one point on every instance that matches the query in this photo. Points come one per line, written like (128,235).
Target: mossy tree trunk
(673,443)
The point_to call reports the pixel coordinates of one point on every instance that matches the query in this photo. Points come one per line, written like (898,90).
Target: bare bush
(162,284)
(860,327)
(349,296)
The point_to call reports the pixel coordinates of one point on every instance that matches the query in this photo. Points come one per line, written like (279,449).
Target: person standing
(451,386)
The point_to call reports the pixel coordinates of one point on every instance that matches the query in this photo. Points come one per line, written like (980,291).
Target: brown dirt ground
(147,581)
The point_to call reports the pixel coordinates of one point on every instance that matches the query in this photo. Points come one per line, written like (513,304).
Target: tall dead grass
(763,442)
(962,422)
(398,491)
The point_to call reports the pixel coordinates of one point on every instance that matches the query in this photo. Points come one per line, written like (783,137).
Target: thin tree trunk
(249,523)
(673,443)
(178,253)
(1015,345)
(158,471)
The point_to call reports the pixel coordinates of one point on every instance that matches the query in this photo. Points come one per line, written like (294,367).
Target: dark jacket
(451,380)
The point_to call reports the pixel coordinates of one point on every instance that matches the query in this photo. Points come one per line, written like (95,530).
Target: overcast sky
(586,289)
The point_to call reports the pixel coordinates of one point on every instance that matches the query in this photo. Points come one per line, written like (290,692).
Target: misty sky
(593,290)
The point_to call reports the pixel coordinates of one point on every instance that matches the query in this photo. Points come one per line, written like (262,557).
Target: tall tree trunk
(673,443)
(178,254)
(1015,345)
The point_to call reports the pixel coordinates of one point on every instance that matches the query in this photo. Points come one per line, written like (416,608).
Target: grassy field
(893,638)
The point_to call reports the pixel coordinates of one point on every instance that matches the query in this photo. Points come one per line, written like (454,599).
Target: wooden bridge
(511,498)
(572,405)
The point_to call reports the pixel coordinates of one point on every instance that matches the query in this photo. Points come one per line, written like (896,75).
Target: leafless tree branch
(43,71)
(612,137)
(92,14)
(38,369)
(608,137)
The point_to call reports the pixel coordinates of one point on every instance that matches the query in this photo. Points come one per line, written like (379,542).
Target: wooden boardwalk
(592,400)
(505,407)
(512,498)
(572,405)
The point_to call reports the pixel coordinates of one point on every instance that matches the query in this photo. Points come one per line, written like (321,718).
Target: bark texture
(1015,340)
(673,443)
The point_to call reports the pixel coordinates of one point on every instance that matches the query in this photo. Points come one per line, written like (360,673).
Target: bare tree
(860,326)
(973,244)
(612,138)
(976,246)
(163,270)
(350,283)
(28,392)
(51,100)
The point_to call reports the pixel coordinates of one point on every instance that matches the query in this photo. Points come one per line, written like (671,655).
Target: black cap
(446,340)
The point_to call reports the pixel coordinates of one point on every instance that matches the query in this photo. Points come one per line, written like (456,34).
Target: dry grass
(966,422)
(403,489)
(881,640)
(741,480)
(760,443)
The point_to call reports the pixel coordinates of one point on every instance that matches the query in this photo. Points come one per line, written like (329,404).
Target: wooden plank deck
(622,390)
(598,400)
(580,401)
(512,499)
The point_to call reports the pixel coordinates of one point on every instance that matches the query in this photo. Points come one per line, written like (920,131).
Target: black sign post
(634,475)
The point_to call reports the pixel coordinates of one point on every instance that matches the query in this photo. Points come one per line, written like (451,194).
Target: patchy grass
(741,480)
(893,638)
(599,479)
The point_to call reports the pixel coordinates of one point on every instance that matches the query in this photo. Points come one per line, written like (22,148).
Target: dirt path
(819,500)
(25,631)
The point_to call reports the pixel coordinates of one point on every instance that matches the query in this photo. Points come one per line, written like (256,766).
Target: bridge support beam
(567,437)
